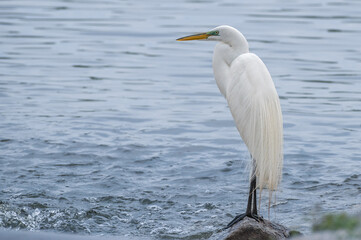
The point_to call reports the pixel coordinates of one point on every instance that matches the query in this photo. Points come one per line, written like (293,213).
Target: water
(111,127)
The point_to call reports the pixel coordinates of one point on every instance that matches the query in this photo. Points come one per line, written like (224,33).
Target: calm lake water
(111,127)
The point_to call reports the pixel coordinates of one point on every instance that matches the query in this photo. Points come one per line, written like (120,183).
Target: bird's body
(257,115)
(246,83)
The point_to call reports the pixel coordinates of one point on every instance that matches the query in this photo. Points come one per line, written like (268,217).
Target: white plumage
(257,114)
(246,83)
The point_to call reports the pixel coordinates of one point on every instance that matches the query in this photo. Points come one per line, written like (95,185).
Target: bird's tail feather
(267,147)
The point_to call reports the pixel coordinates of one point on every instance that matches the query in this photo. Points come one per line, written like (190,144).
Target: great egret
(246,83)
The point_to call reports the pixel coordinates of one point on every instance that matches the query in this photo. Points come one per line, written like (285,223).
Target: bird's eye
(216,32)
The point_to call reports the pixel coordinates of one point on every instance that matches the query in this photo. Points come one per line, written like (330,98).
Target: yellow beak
(198,36)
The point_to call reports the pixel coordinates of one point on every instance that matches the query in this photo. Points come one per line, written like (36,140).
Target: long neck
(237,42)
(224,54)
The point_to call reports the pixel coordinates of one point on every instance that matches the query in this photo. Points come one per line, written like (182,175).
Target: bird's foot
(240,217)
(236,220)
(256,217)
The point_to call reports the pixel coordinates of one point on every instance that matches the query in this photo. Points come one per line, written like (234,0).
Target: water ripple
(109,126)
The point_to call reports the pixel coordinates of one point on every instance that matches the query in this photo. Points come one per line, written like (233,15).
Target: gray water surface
(111,127)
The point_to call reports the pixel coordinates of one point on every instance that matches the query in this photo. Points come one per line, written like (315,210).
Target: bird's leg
(251,210)
(254,210)
(250,195)
(252,190)
(254,214)
(248,212)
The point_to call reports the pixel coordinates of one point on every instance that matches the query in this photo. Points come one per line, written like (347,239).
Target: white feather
(256,110)
(245,82)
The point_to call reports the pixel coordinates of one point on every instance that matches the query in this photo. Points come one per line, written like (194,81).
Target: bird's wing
(256,110)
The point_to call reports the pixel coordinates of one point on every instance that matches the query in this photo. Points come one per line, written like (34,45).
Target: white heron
(246,83)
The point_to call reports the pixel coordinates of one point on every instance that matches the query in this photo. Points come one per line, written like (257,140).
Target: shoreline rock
(250,229)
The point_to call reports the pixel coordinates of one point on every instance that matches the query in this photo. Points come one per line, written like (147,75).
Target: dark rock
(250,229)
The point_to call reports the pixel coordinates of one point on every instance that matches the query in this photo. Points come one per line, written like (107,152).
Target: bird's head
(225,34)
(221,33)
